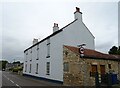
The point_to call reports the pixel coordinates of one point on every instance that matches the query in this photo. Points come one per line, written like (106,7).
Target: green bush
(17,69)
(10,69)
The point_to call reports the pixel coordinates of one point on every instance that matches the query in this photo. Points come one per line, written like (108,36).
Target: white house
(44,59)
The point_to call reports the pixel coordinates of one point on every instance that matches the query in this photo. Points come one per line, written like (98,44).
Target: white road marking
(4,76)
(18,85)
(11,81)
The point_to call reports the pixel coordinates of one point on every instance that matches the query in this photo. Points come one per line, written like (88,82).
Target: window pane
(25,67)
(30,68)
(48,68)
(66,66)
(48,47)
(37,68)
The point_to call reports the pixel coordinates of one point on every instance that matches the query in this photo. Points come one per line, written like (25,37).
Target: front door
(103,76)
(102,69)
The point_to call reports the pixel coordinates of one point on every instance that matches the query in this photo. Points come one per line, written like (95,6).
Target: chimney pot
(77,9)
(35,41)
(55,27)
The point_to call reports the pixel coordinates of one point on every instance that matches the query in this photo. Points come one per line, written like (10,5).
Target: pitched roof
(88,53)
(51,35)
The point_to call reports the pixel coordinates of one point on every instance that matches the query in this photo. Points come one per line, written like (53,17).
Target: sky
(24,20)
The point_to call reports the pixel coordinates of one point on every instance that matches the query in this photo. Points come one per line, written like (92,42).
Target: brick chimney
(55,27)
(78,14)
(35,41)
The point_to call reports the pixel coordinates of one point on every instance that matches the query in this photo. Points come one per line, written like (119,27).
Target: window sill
(37,48)
(37,59)
(36,72)
(47,56)
(48,74)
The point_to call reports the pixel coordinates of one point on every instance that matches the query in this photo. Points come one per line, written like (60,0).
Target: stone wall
(79,68)
(119,71)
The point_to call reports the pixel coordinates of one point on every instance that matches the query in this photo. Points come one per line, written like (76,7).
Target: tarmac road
(10,79)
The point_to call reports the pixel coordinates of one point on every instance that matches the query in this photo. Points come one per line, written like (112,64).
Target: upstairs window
(37,52)
(48,48)
(38,47)
(31,54)
(26,55)
(31,50)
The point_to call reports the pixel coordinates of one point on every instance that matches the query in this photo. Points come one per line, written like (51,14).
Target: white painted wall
(77,34)
(56,59)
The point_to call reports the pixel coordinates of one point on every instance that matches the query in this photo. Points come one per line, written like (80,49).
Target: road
(0,79)
(10,79)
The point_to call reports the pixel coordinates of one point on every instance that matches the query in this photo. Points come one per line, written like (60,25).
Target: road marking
(11,81)
(8,78)
(18,85)
(5,76)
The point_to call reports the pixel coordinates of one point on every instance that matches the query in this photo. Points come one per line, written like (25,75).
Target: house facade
(44,59)
(80,71)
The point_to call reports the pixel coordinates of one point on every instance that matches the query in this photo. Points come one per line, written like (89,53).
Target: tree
(3,64)
(17,62)
(114,50)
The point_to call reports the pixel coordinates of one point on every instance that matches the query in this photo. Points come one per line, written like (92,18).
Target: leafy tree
(17,62)
(114,50)
(3,64)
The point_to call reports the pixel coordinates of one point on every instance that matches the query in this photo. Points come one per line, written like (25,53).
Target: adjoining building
(44,59)
(80,70)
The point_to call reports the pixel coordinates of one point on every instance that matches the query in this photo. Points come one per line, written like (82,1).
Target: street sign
(81,50)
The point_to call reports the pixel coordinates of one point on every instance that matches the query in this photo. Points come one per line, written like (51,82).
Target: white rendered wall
(77,34)
(56,59)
